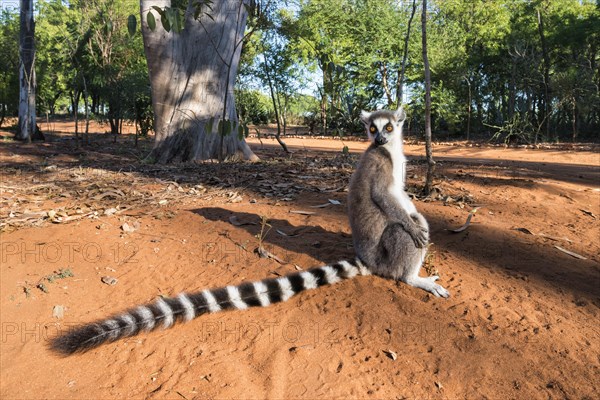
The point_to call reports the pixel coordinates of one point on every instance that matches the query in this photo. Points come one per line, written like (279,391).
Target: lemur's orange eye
(372,129)
(389,127)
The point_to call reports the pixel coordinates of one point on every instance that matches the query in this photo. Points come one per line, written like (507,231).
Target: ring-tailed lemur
(390,236)
(390,239)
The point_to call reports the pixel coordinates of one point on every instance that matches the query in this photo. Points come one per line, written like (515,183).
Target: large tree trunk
(192,74)
(428,146)
(27,127)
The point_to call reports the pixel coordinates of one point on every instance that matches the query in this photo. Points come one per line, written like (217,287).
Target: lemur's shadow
(492,248)
(313,240)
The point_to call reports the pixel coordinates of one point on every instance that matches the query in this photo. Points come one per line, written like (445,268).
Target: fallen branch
(572,254)
(262,252)
(467,223)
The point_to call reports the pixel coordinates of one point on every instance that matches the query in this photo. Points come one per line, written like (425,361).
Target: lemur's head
(383,126)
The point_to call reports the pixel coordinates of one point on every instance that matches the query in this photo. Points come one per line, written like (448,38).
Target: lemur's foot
(429,285)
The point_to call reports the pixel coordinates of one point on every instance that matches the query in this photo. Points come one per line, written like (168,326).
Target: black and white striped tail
(185,307)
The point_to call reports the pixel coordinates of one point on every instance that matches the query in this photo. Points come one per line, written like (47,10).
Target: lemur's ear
(400,114)
(364,116)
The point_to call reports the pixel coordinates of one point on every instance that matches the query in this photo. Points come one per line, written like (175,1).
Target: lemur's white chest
(399,175)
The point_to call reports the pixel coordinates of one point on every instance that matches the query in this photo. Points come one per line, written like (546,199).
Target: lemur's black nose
(380,140)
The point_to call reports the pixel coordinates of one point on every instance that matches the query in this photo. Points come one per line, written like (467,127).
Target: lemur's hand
(418,232)
(420,220)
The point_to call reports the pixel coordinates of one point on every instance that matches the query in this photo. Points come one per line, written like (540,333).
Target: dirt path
(521,322)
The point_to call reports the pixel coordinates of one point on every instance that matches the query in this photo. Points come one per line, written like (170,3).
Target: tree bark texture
(27,85)
(428,146)
(192,75)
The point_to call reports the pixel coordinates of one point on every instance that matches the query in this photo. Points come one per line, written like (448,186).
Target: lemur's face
(383,126)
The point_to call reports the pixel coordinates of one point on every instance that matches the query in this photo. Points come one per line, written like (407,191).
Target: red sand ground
(522,321)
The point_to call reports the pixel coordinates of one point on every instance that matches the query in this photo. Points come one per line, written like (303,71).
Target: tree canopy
(526,70)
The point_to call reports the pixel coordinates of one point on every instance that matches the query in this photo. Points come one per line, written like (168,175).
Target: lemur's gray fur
(390,236)
(390,239)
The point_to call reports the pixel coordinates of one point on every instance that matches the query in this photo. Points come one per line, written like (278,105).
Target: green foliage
(486,57)
(355,46)
(91,48)
(302,106)
(447,112)
(209,125)
(151,20)
(243,130)
(132,25)
(489,56)
(325,60)
(60,274)
(57,42)
(173,18)
(225,127)
(254,107)
(144,114)
(9,64)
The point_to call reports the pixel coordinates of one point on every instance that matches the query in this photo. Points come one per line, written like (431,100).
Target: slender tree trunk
(284,113)
(76,96)
(479,105)
(595,111)
(52,105)
(87,110)
(324,104)
(400,83)
(324,115)
(428,146)
(276,105)
(469,109)
(512,93)
(575,119)
(2,113)
(192,75)
(384,81)
(95,102)
(528,108)
(27,129)
(113,122)
(546,75)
